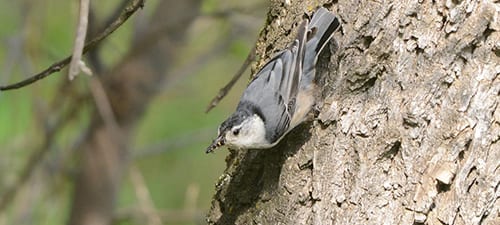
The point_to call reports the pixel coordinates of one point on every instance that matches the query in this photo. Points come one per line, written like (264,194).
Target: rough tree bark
(129,86)
(408,131)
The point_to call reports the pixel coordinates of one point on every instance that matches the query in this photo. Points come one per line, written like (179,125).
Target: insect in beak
(218,142)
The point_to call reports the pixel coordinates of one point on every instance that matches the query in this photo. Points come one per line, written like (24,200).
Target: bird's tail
(320,30)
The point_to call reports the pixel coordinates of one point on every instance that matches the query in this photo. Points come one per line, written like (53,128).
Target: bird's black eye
(236,131)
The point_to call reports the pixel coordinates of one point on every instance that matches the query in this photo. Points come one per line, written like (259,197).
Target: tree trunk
(130,86)
(408,131)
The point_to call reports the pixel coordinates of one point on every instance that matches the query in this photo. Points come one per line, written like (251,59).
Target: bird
(282,93)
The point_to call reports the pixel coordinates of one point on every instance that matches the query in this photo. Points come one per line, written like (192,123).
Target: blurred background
(46,128)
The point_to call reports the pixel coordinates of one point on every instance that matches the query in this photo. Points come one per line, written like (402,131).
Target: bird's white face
(250,134)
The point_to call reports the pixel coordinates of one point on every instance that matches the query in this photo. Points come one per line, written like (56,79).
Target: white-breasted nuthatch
(283,91)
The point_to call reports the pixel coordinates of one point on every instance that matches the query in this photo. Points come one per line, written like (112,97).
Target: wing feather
(276,86)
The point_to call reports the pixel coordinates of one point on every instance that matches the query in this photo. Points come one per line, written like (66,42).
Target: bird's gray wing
(275,88)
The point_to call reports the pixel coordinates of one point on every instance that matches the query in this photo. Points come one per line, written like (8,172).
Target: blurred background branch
(56,67)
(126,145)
(144,197)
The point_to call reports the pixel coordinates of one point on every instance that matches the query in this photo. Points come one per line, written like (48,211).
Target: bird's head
(240,131)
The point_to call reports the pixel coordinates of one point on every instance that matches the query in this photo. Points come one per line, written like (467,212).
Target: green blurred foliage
(36,33)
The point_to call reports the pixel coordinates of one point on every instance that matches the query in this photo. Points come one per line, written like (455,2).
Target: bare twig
(76,63)
(93,56)
(124,16)
(223,91)
(116,13)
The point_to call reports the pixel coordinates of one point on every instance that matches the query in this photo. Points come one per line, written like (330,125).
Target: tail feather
(322,26)
(320,30)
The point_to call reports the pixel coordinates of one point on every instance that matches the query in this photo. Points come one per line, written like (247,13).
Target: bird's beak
(219,141)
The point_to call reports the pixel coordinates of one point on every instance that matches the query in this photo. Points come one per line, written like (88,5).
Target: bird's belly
(305,101)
